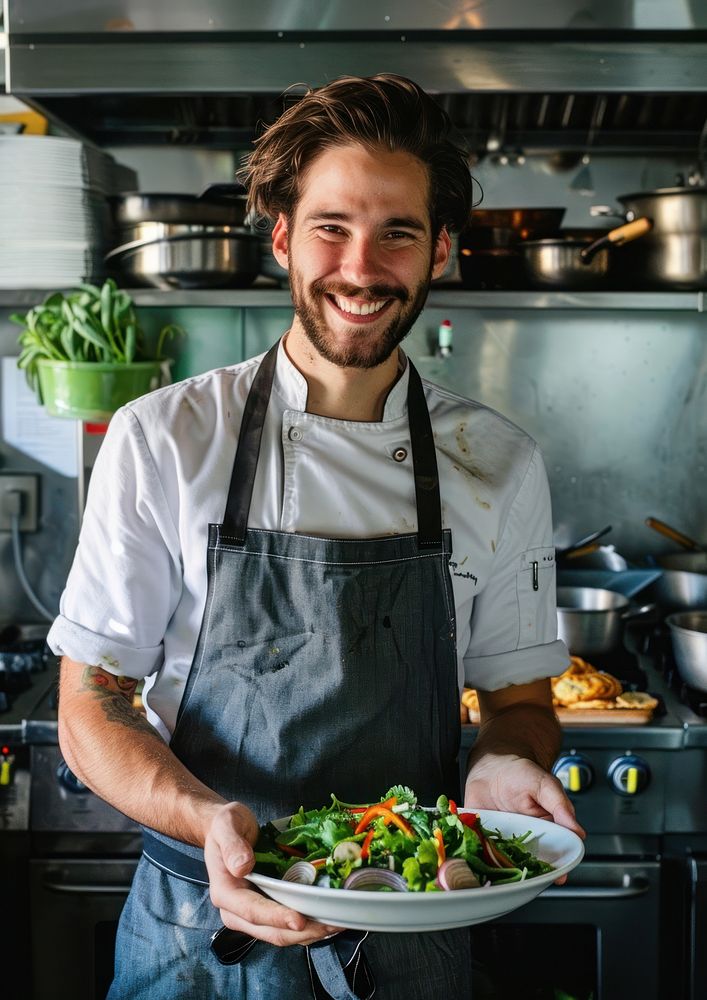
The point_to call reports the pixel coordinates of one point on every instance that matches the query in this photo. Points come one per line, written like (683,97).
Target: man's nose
(361,263)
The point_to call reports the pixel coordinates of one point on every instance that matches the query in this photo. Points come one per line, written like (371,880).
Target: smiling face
(360,252)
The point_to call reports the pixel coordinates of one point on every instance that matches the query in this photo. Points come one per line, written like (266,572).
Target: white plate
(435,911)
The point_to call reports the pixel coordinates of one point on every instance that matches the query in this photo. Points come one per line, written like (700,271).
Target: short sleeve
(125,580)
(514,618)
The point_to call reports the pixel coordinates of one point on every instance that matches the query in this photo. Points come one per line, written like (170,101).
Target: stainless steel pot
(146,232)
(677,590)
(674,254)
(689,635)
(557,264)
(591,620)
(187,261)
(576,264)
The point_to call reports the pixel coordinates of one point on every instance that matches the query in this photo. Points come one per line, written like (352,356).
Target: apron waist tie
(338,969)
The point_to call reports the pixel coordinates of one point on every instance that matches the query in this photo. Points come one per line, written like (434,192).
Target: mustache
(370,293)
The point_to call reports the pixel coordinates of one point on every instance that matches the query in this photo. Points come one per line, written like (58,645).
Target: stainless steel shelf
(440,298)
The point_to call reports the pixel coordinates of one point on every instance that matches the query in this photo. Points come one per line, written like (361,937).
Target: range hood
(554,74)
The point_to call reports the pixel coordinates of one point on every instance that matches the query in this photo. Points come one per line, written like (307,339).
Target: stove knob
(68,780)
(629,775)
(574,771)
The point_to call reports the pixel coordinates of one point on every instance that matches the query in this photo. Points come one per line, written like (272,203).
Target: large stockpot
(190,261)
(689,636)
(674,254)
(591,620)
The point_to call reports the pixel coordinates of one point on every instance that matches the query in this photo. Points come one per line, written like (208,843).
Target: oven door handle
(633,887)
(88,888)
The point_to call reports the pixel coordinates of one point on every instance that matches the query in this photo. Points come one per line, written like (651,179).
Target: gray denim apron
(322,665)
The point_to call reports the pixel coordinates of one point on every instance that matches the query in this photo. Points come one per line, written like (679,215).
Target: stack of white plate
(55,224)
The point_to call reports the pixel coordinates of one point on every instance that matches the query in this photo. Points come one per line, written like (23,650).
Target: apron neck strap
(424,458)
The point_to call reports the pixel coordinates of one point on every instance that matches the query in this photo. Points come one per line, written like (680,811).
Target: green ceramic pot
(91,391)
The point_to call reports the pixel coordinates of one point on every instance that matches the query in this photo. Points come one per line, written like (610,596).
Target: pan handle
(673,534)
(616,237)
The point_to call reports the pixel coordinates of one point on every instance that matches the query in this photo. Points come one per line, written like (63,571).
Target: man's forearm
(523,730)
(112,748)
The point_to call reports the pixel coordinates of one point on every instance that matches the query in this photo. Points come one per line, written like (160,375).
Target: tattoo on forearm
(116,693)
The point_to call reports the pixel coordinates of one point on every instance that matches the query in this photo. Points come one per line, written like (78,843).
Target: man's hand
(228,852)
(515,784)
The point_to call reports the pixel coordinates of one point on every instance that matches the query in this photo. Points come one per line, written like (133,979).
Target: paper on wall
(28,428)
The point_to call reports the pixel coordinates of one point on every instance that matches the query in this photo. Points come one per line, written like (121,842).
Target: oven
(66,857)
(83,857)
(598,936)
(602,935)
(595,938)
(686,860)
(76,903)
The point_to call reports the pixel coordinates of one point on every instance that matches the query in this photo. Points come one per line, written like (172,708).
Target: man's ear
(443,245)
(279,241)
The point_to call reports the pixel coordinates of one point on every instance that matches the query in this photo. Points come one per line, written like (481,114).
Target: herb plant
(87,324)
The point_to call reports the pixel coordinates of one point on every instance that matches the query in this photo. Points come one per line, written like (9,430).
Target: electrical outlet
(27,485)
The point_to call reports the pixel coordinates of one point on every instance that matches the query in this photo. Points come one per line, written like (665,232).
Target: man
(320,645)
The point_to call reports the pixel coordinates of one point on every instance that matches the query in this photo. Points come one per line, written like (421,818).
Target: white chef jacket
(135,596)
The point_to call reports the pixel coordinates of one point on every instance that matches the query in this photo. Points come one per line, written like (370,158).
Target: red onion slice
(375,878)
(301,872)
(455,873)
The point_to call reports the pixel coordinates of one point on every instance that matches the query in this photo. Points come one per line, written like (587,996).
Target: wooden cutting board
(595,716)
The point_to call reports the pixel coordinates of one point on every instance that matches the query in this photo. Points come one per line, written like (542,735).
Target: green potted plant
(83,352)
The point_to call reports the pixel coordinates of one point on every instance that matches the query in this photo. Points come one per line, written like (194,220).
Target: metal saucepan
(693,558)
(676,590)
(689,635)
(575,264)
(674,254)
(187,261)
(590,620)
(218,204)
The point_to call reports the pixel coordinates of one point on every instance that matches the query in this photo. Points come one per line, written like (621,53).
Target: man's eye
(331,230)
(396,235)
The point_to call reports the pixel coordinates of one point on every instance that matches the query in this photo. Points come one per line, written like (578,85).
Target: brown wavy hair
(385,112)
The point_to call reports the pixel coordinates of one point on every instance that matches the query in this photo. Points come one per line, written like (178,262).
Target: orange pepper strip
(453,807)
(367,843)
(441,853)
(318,862)
(389,803)
(388,816)
(292,851)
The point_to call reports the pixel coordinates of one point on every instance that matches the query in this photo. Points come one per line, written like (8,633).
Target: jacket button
(294,434)
(400,454)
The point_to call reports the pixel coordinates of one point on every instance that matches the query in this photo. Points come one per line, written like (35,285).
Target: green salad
(394,845)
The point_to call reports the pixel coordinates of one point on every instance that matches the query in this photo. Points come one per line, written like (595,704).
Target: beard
(367,348)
